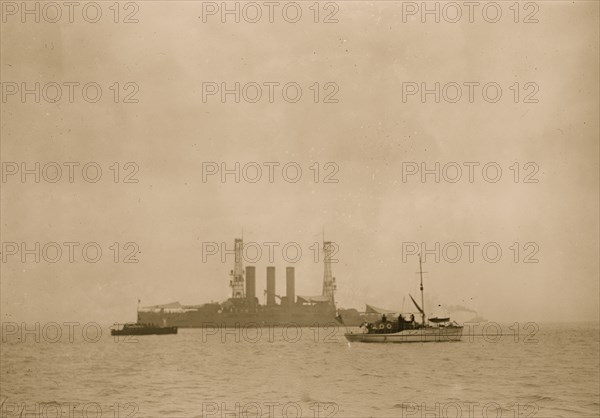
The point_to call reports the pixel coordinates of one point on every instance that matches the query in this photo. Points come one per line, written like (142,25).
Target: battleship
(243,307)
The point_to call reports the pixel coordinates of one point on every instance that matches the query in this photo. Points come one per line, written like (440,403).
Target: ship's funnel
(290,290)
(251,284)
(270,286)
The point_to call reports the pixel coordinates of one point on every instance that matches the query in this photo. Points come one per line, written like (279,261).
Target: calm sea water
(555,373)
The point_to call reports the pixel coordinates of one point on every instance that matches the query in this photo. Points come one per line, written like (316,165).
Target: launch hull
(422,335)
(143,329)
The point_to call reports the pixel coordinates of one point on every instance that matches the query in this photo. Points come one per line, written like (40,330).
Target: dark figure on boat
(401,323)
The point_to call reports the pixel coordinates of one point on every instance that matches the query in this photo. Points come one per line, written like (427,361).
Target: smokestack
(270,286)
(290,289)
(251,284)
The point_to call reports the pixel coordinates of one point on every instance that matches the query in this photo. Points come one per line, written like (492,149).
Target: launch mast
(422,293)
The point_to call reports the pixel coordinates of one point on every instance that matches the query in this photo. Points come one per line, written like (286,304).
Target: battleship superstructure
(243,307)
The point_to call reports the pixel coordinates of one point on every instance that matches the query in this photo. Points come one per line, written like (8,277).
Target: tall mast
(237,274)
(422,297)
(328,279)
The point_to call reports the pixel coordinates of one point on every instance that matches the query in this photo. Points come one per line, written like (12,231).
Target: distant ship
(142,329)
(404,330)
(243,307)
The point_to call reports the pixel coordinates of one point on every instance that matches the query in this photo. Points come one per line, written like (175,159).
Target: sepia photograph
(309,208)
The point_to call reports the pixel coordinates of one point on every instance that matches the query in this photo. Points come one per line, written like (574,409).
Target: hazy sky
(368,135)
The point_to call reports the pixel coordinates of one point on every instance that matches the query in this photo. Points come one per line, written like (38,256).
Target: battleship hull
(276,317)
(422,335)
